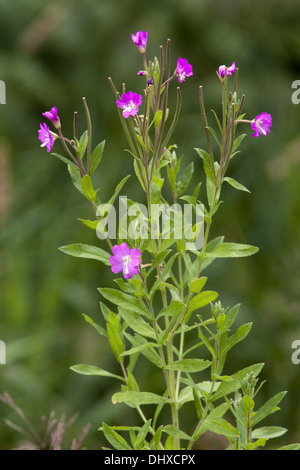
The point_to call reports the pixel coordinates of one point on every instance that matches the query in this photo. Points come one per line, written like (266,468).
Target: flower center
(126,259)
(259,125)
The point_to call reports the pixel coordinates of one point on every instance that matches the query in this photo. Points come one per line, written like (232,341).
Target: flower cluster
(46,136)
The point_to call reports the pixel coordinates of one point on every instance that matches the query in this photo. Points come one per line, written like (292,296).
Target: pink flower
(130,103)
(53,117)
(125,259)
(140,40)
(230,70)
(261,124)
(46,137)
(183,69)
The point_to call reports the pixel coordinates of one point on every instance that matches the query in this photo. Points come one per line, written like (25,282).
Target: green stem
(89,127)
(207,135)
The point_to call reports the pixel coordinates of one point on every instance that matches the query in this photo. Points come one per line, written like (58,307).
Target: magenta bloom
(53,117)
(125,259)
(46,137)
(140,40)
(230,70)
(261,124)
(183,69)
(130,103)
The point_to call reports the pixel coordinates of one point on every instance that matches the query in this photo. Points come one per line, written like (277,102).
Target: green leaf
(197,284)
(254,445)
(213,133)
(175,307)
(87,188)
(236,184)
(245,405)
(238,336)
(232,250)
(154,193)
(268,432)
(220,426)
(140,440)
(82,144)
(157,118)
(138,349)
(132,383)
(125,301)
(138,398)
(295,446)
(174,432)
(156,438)
(237,143)
(85,369)
(65,160)
(118,189)
(206,164)
(149,352)
(96,156)
(255,369)
(189,365)
(75,177)
(117,441)
(115,341)
(81,250)
(92,224)
(135,322)
(98,328)
(201,300)
(185,179)
(225,388)
(268,408)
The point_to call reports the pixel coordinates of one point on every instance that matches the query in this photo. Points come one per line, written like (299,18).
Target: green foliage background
(51,54)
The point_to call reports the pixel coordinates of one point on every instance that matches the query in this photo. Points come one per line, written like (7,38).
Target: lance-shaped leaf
(232,250)
(97,327)
(269,407)
(138,398)
(238,336)
(117,441)
(145,348)
(83,141)
(135,322)
(185,179)
(65,160)
(125,301)
(97,156)
(220,426)
(268,432)
(201,300)
(85,369)
(189,365)
(115,341)
(174,432)
(87,188)
(235,184)
(206,164)
(81,250)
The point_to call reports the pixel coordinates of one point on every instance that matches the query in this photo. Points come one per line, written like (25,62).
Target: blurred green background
(52,53)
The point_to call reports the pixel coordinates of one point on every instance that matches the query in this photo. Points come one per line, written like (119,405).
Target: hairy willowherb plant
(162,299)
